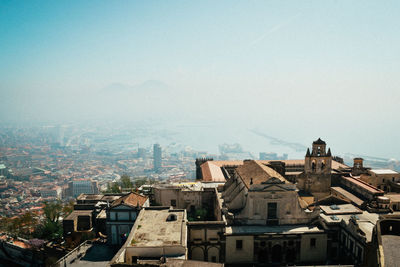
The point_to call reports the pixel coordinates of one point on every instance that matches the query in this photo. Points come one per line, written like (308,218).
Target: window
(256,207)
(272,208)
(359,254)
(239,244)
(313,242)
(213,259)
(173,202)
(351,246)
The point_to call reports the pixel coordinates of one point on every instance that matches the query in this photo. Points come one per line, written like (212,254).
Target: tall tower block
(157,157)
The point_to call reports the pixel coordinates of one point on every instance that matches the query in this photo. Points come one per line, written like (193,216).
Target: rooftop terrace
(159,227)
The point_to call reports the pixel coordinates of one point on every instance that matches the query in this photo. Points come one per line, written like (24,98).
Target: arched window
(197,254)
(213,254)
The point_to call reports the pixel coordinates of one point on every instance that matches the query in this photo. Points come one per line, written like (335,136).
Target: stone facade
(316,178)
(384,179)
(258,195)
(267,221)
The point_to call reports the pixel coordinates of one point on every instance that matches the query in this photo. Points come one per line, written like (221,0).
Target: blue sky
(295,68)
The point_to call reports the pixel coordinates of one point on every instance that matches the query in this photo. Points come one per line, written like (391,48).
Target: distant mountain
(116,87)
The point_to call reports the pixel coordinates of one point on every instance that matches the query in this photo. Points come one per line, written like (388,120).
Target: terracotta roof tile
(212,172)
(256,172)
(132,199)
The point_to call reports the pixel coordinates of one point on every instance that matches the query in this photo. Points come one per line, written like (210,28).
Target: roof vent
(171,218)
(335,207)
(335,218)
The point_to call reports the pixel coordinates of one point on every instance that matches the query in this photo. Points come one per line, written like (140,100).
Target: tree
(126,181)
(52,211)
(112,188)
(68,208)
(49,230)
(140,181)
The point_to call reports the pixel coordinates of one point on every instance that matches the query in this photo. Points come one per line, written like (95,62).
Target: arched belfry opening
(319,160)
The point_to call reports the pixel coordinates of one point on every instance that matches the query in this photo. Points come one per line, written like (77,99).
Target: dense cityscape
(68,192)
(199,133)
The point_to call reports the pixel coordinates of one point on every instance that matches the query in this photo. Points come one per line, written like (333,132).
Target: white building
(158,232)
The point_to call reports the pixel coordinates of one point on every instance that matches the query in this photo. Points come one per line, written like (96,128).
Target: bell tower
(318,161)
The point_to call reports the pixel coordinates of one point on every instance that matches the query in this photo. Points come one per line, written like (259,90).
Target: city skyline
(292,70)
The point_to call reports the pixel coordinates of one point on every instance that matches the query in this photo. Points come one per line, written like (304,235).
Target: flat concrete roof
(77,213)
(190,263)
(281,229)
(152,229)
(190,186)
(384,171)
(390,245)
(365,220)
(89,197)
(110,198)
(393,197)
(340,209)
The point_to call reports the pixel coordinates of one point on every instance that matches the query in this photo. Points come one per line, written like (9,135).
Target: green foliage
(68,208)
(51,227)
(126,181)
(140,181)
(49,230)
(52,210)
(198,215)
(29,226)
(20,226)
(201,214)
(112,188)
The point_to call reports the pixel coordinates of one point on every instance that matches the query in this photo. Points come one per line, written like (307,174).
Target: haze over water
(209,71)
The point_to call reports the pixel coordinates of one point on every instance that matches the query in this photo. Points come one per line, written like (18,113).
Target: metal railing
(76,250)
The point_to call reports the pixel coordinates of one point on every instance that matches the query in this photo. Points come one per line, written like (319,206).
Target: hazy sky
(296,69)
